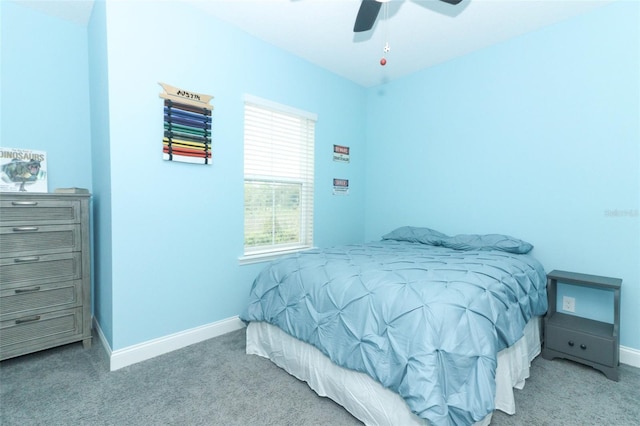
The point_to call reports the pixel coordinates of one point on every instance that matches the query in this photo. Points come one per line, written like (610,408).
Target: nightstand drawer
(25,211)
(15,272)
(28,300)
(35,239)
(590,347)
(39,330)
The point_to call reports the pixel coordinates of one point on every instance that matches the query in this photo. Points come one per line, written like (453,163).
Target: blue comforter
(424,320)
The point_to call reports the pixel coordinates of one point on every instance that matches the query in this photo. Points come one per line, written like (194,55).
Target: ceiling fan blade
(369,10)
(367,15)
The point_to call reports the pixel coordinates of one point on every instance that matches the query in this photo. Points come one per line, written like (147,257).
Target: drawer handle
(26,259)
(25,228)
(24,203)
(583,346)
(28,319)
(570,342)
(27,290)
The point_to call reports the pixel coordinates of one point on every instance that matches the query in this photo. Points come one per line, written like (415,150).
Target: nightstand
(579,339)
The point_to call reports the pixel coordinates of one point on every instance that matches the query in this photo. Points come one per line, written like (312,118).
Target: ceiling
(420,33)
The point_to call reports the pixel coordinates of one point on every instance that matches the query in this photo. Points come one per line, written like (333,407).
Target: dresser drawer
(27,300)
(33,240)
(25,210)
(39,330)
(27,270)
(600,349)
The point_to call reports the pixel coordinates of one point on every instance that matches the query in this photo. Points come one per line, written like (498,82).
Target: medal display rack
(187,126)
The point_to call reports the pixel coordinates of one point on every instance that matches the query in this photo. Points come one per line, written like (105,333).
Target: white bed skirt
(365,398)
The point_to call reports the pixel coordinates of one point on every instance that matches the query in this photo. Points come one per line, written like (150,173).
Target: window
(278,178)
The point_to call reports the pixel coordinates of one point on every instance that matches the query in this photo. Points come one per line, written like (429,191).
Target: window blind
(278,174)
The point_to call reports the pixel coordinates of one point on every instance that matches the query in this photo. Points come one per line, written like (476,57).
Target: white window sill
(248,259)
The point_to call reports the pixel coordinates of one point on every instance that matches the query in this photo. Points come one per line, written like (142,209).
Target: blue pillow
(416,235)
(459,242)
(488,242)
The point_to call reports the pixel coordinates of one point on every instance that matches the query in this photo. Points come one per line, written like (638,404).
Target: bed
(418,328)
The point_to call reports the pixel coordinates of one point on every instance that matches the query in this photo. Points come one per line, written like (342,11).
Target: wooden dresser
(45,272)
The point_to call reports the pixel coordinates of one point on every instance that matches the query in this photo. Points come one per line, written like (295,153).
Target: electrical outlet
(568,304)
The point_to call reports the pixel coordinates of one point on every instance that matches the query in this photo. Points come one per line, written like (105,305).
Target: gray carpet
(216,383)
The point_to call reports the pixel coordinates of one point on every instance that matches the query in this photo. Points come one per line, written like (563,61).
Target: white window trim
(284,108)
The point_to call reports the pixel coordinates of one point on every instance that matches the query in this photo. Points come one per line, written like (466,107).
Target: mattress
(365,398)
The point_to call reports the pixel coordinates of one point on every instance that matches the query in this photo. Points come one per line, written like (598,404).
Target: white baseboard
(103,339)
(152,348)
(630,356)
(133,354)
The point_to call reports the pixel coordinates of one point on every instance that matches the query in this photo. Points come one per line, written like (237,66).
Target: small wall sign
(341,153)
(340,186)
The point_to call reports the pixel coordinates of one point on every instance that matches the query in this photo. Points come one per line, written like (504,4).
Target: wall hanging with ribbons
(187,126)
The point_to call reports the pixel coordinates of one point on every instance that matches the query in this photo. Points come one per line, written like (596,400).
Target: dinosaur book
(23,170)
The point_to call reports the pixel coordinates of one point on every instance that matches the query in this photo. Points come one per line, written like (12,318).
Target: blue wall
(45,97)
(537,137)
(167,236)
(101,169)
(177,229)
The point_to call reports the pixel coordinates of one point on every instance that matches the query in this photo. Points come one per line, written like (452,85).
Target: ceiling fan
(369,12)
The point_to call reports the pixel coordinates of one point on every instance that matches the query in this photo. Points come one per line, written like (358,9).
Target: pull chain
(386,49)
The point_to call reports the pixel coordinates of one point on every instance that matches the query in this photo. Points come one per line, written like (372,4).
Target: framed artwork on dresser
(23,170)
